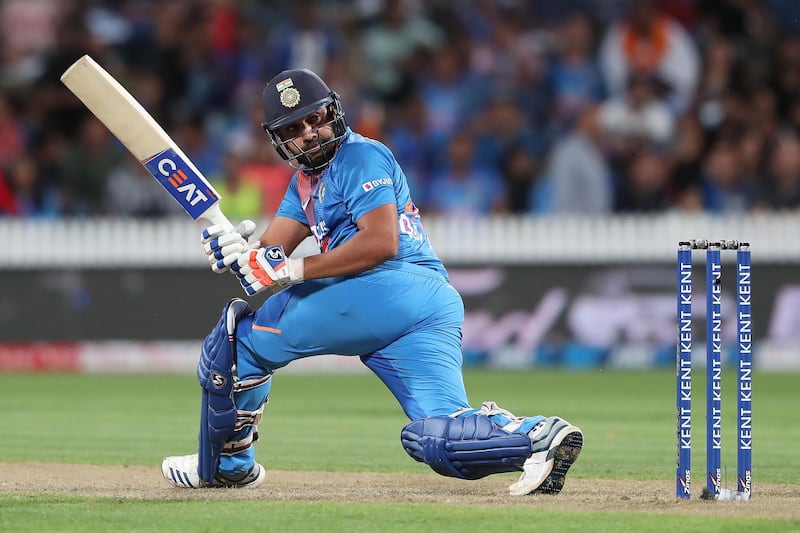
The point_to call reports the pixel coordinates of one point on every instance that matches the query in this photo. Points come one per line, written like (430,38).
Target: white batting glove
(267,270)
(223,244)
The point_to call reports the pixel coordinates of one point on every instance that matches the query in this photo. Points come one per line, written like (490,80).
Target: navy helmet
(292,95)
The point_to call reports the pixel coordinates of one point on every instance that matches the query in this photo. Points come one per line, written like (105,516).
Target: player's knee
(218,354)
(469,447)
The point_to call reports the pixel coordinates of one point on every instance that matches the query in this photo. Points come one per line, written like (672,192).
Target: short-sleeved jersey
(362,176)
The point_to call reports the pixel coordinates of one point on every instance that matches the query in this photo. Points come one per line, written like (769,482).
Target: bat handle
(214,215)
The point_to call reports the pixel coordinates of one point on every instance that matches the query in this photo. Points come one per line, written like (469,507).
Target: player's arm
(269,269)
(286,232)
(375,242)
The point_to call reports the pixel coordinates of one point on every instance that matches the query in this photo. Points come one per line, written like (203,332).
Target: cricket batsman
(376,291)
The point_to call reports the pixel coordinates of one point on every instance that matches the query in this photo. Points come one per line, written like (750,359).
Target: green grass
(81,514)
(351,423)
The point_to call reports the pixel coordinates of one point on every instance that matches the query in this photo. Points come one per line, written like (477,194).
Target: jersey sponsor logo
(410,226)
(319,230)
(371,184)
(184,184)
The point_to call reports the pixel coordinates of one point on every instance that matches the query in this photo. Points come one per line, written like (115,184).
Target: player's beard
(318,153)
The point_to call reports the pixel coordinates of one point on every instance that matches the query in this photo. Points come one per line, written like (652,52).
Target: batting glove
(267,270)
(223,245)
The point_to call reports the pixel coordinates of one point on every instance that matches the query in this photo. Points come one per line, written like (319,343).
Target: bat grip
(214,215)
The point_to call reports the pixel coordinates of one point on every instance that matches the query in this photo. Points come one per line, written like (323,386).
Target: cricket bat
(136,129)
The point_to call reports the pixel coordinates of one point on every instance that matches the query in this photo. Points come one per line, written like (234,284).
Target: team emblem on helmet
(290,97)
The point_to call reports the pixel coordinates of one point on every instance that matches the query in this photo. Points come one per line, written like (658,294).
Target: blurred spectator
(524,190)
(27,34)
(513,56)
(574,73)
(308,40)
(514,76)
(716,82)
(639,117)
(644,184)
(579,177)
(192,54)
(751,148)
(501,127)
(390,44)
(687,159)
(86,164)
(240,199)
(261,166)
(689,200)
(53,108)
(34,198)
(648,43)
(783,187)
(725,189)
(12,138)
(793,115)
(8,201)
(413,144)
(451,93)
(249,68)
(764,108)
(786,14)
(462,188)
(191,135)
(787,71)
(270,174)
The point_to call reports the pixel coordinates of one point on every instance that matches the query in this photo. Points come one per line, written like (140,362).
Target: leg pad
(216,372)
(466,447)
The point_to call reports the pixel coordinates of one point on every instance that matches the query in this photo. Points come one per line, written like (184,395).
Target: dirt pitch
(580,495)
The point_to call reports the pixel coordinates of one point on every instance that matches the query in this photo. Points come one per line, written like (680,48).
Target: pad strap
(232,448)
(248,418)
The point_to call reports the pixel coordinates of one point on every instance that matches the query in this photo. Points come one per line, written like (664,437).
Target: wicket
(714,367)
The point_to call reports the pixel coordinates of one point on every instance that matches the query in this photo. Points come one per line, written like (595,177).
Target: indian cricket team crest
(289,95)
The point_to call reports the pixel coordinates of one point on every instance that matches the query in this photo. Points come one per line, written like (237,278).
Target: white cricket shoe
(181,471)
(556,445)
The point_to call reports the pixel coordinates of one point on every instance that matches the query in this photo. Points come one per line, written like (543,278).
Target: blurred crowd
(491,106)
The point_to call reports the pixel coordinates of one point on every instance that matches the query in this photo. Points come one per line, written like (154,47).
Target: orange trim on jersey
(268,329)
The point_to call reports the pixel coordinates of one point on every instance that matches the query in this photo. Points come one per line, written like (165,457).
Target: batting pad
(469,447)
(215,372)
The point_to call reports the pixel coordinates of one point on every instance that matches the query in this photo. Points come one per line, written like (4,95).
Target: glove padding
(267,270)
(223,245)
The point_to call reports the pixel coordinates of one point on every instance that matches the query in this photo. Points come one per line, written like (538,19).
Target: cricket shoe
(556,445)
(181,471)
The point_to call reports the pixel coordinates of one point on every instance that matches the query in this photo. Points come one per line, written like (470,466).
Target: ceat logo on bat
(184,184)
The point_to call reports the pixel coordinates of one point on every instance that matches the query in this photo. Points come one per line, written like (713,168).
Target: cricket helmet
(290,96)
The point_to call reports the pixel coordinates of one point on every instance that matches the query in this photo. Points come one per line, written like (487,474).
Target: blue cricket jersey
(362,176)
(402,318)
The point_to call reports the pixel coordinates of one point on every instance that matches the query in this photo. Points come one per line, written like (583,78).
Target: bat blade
(136,129)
